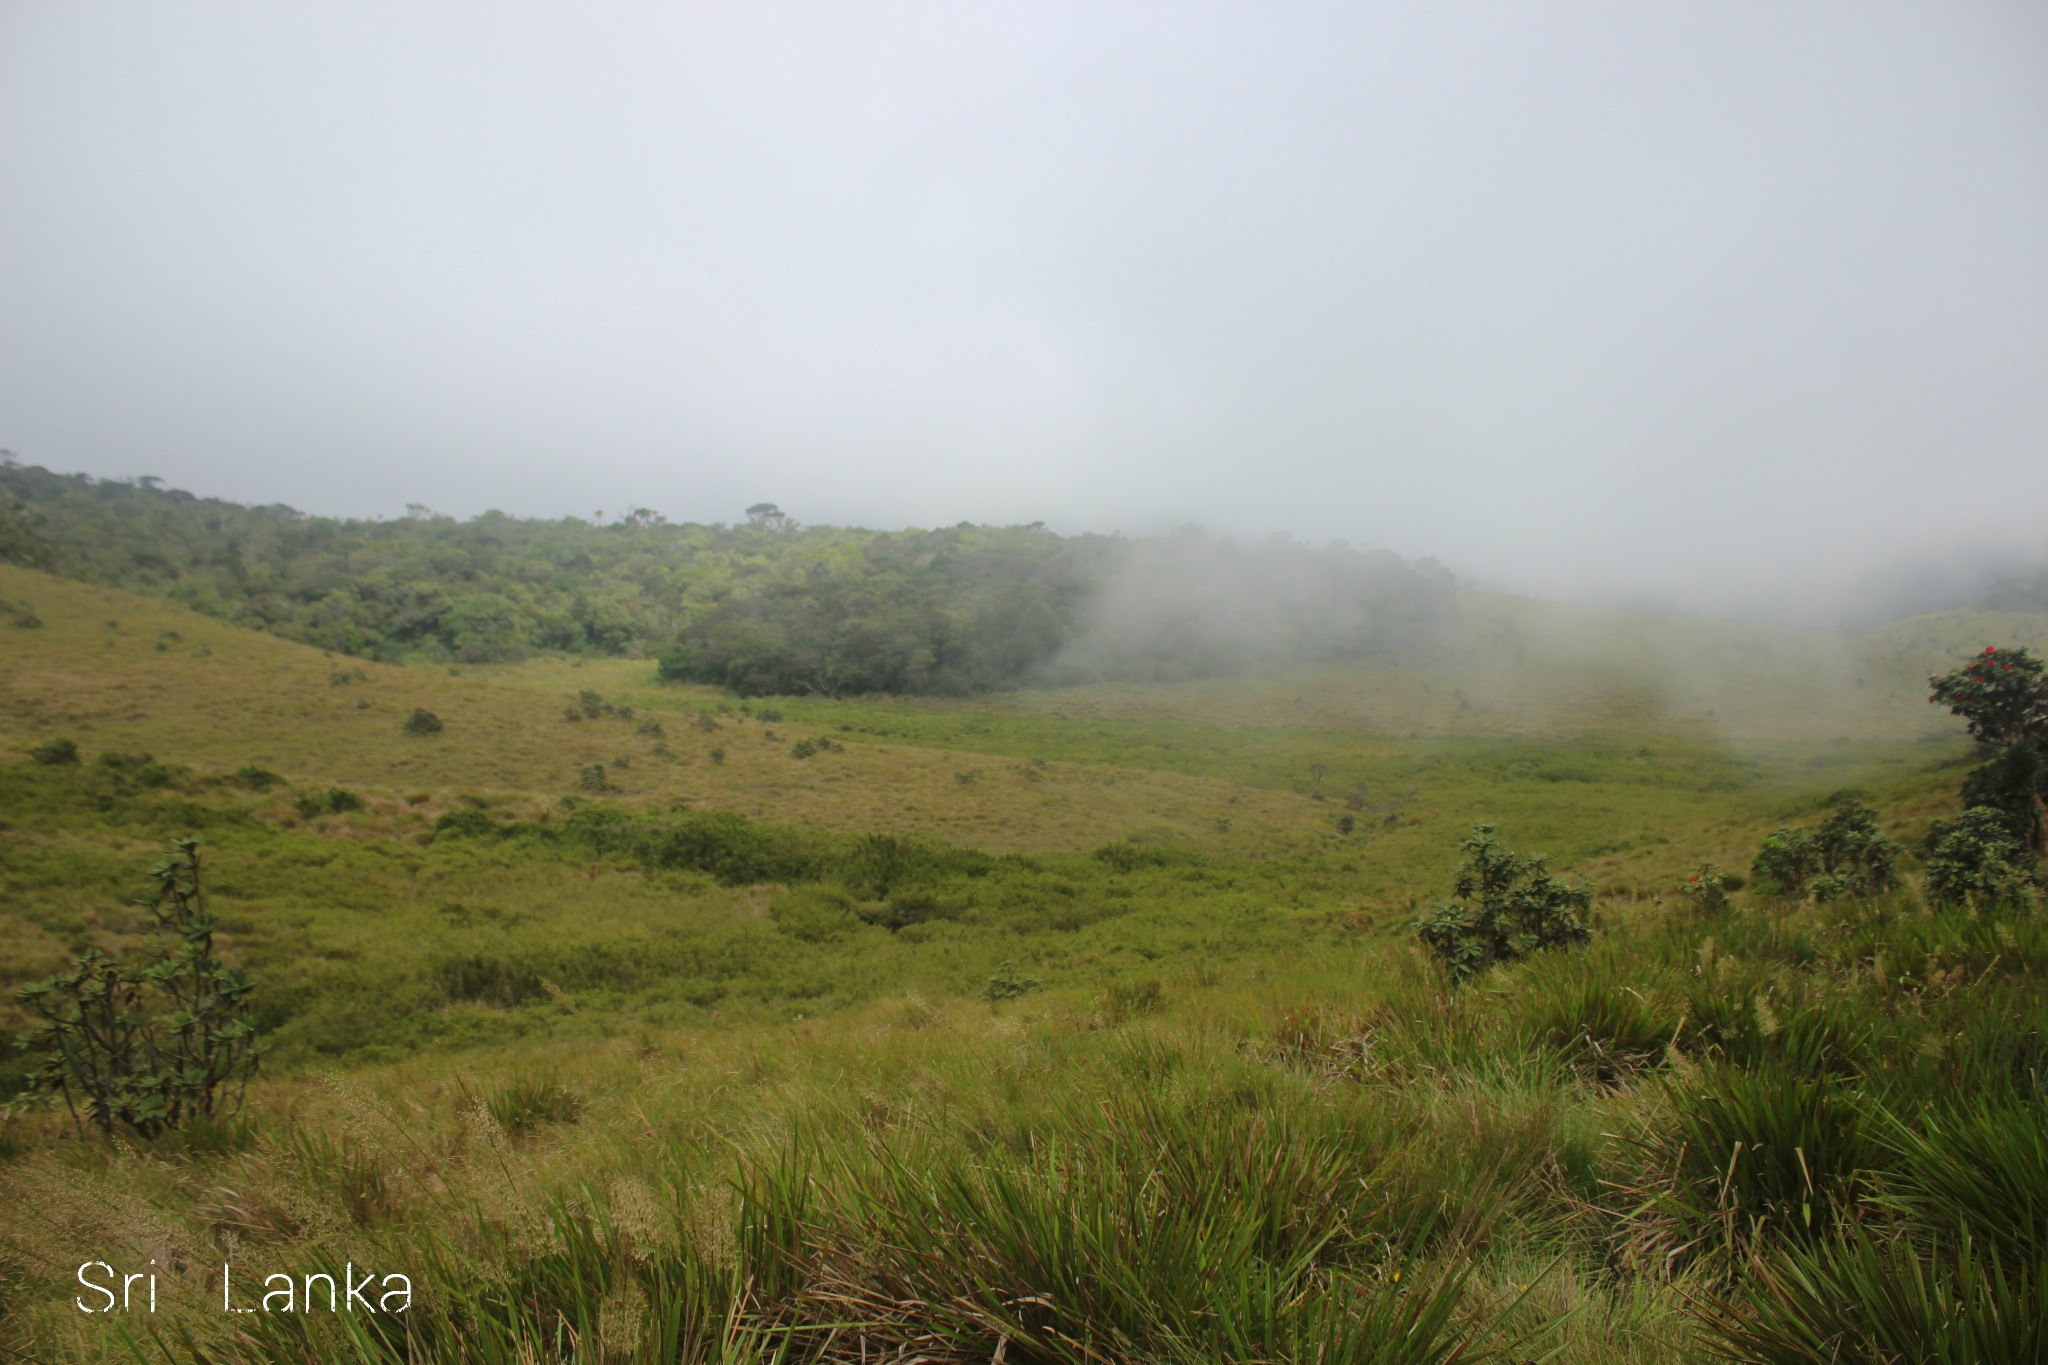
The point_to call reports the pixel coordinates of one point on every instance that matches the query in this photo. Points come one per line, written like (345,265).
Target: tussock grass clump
(527,1102)
(1869,1298)
(1981,1167)
(1606,1019)
(1751,1157)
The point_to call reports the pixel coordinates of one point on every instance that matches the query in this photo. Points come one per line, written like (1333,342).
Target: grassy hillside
(625,1040)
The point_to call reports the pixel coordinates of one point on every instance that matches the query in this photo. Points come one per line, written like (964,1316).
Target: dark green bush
(255,779)
(1506,907)
(1978,860)
(422,722)
(1846,858)
(333,801)
(469,823)
(57,753)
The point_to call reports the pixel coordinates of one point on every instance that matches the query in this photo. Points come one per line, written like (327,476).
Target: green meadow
(639,1021)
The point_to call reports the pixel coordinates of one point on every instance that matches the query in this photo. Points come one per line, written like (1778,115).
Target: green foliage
(422,722)
(1759,1154)
(1009,982)
(1977,860)
(332,801)
(1868,1298)
(1845,858)
(1606,1018)
(2003,695)
(1506,906)
(468,823)
(591,777)
(1708,889)
(151,1042)
(251,777)
(2011,782)
(1980,1166)
(815,914)
(57,753)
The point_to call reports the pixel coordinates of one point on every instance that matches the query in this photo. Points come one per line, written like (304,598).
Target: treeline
(763,606)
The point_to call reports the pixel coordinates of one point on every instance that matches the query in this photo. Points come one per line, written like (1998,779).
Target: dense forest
(762,606)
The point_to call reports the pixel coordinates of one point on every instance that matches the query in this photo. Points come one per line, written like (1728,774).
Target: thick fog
(1742,306)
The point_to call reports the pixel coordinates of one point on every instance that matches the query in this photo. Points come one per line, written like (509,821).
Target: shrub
(1977,860)
(803,748)
(469,823)
(1008,983)
(151,1042)
(815,914)
(1784,863)
(255,779)
(422,722)
(1708,889)
(139,770)
(57,753)
(1845,858)
(1507,906)
(716,755)
(333,801)
(591,777)
(2004,698)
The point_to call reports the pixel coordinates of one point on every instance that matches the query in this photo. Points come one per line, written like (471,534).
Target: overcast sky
(1628,297)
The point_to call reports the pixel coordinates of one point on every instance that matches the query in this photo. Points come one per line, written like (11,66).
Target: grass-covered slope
(1075,1025)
